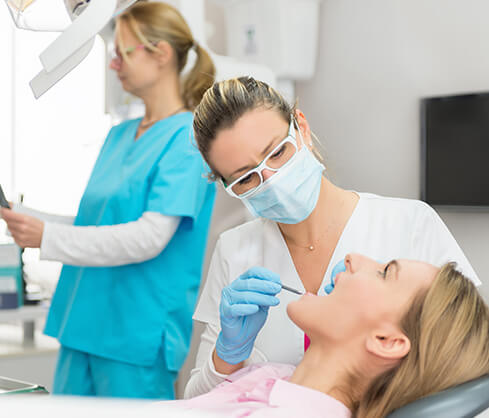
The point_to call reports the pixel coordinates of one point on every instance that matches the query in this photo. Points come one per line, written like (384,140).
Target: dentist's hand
(243,310)
(26,230)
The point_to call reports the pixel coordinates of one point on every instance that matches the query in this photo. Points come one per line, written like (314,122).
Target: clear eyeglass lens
(278,159)
(248,183)
(281,156)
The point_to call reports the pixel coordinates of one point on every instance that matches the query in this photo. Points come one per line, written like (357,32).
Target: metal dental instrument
(297,292)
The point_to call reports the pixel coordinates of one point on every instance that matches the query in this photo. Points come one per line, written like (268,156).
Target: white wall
(377,58)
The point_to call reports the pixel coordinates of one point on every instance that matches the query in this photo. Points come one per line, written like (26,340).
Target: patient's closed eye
(383,274)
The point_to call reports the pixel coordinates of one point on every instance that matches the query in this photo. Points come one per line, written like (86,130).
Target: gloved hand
(243,310)
(339,268)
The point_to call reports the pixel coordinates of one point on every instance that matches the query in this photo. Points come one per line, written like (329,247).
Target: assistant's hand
(338,268)
(243,310)
(26,230)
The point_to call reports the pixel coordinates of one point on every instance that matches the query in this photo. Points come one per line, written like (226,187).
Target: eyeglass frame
(128,50)
(262,166)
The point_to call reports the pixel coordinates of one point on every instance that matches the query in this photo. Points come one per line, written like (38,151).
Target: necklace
(310,247)
(151,123)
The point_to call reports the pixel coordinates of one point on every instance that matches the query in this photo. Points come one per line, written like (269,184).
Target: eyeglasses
(278,158)
(117,54)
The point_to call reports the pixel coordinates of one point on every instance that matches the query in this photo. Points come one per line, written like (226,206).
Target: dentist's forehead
(242,144)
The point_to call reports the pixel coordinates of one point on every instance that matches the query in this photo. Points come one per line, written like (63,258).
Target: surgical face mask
(291,194)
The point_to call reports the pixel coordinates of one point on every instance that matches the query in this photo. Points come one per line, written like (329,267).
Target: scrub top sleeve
(207,310)
(178,186)
(433,242)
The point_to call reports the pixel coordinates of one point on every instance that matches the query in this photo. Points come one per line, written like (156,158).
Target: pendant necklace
(310,247)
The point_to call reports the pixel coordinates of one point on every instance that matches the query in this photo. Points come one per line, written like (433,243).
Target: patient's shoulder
(255,373)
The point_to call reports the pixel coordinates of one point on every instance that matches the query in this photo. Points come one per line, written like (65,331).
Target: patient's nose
(349,263)
(356,262)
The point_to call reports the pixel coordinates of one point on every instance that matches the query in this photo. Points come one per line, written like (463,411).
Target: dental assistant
(260,149)
(133,256)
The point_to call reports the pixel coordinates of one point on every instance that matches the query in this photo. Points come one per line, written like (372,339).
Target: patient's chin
(297,312)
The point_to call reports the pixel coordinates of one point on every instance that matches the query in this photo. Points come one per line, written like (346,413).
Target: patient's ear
(392,345)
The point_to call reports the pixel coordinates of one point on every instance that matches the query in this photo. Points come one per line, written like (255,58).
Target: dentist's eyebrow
(265,151)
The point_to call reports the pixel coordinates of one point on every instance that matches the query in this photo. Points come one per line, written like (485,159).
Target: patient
(386,336)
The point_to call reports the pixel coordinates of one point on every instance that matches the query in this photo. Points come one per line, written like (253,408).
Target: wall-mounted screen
(455,150)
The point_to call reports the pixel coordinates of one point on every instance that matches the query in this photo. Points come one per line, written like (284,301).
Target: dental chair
(463,401)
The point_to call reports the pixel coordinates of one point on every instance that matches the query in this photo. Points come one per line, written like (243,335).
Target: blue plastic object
(338,268)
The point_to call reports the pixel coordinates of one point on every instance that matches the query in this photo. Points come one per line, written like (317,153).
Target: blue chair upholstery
(463,401)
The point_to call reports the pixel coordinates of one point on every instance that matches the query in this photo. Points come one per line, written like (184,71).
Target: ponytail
(200,78)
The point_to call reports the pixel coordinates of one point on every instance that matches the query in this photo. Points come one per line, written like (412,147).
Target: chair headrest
(463,401)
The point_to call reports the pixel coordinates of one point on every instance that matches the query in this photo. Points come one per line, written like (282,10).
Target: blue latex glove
(243,310)
(339,268)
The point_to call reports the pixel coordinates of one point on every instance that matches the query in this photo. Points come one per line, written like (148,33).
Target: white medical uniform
(379,227)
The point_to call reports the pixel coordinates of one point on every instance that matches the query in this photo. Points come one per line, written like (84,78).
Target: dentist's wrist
(223,367)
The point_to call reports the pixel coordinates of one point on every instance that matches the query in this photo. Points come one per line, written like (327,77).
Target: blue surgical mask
(291,194)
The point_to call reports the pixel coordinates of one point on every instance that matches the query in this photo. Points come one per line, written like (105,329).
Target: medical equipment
(11,286)
(3,199)
(463,401)
(17,387)
(281,34)
(77,38)
(290,289)
(243,311)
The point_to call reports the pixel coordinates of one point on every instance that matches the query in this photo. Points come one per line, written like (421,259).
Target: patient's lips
(337,278)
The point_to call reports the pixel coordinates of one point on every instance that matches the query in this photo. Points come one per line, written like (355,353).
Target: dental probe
(292,290)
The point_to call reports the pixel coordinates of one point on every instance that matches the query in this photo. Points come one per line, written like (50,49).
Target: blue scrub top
(126,313)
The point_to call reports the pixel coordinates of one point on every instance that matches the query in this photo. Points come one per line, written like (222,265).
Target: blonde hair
(152,22)
(448,327)
(226,101)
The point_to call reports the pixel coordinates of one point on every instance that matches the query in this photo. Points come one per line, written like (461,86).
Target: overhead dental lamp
(78,20)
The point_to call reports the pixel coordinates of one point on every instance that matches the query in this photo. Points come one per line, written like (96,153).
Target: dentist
(260,149)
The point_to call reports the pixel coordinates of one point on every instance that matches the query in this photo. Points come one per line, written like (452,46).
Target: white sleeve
(207,309)
(43,216)
(111,245)
(434,243)
(204,376)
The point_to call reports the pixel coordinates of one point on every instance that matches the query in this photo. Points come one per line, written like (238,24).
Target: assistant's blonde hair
(448,327)
(152,22)
(226,101)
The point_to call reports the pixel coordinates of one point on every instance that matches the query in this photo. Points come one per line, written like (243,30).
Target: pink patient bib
(307,342)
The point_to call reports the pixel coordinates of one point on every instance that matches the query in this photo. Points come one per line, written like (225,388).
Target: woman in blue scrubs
(133,255)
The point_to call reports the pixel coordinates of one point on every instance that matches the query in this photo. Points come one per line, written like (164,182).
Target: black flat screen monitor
(455,150)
